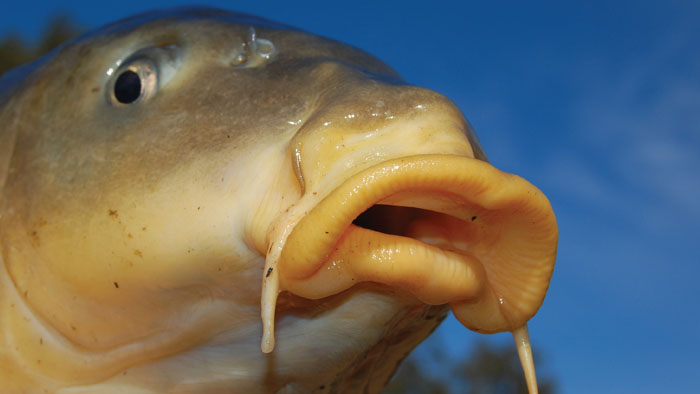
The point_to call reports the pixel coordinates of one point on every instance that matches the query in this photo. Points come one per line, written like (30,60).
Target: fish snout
(372,122)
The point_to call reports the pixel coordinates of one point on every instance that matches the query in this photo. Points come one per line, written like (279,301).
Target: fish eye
(142,74)
(136,82)
(127,88)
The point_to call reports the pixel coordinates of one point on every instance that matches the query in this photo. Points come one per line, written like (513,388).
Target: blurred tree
(14,51)
(61,28)
(497,370)
(489,369)
(411,379)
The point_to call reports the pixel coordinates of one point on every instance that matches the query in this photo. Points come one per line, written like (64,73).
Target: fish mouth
(446,228)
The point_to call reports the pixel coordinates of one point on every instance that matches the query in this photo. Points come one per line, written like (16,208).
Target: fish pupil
(127,87)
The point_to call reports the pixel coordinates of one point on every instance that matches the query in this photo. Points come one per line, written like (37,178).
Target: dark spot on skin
(35,238)
(38,361)
(326,232)
(314,193)
(473,218)
(41,341)
(269,271)
(138,253)
(321,387)
(95,89)
(219,269)
(25,293)
(198,208)
(116,285)
(129,235)
(74,328)
(113,212)
(143,228)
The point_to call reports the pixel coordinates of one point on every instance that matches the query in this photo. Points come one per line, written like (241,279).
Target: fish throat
(446,228)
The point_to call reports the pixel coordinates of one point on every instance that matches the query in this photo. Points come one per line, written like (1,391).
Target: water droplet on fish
(264,48)
(239,59)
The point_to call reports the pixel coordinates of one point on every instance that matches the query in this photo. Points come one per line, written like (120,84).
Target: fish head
(178,184)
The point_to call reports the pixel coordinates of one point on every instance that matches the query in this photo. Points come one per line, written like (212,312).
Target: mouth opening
(388,219)
(443,231)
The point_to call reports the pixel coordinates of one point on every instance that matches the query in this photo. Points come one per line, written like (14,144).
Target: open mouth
(446,228)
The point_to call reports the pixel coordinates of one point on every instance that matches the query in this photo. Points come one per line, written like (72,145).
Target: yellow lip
(456,230)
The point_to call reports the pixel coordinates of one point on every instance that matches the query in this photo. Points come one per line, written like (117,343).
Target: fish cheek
(110,260)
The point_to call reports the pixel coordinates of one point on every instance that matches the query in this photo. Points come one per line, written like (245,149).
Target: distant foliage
(15,51)
(487,370)
(410,379)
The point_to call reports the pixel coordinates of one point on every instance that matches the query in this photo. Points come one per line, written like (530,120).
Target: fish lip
(373,178)
(303,255)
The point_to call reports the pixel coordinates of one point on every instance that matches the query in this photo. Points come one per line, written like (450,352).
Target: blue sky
(598,104)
